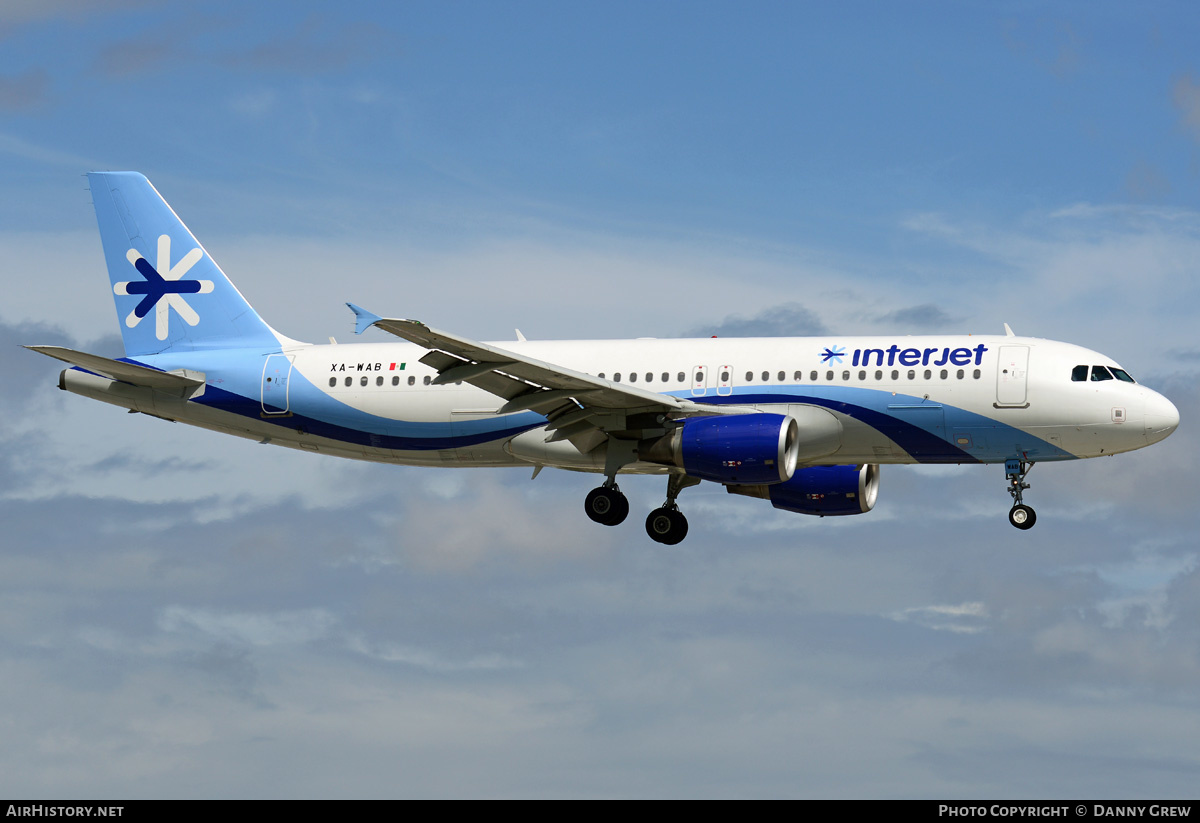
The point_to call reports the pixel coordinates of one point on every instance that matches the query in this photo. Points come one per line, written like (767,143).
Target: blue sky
(187,615)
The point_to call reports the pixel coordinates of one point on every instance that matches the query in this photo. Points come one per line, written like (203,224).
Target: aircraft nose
(1162,418)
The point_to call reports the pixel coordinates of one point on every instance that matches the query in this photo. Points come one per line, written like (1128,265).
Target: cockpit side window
(1100,373)
(1079,374)
(1123,376)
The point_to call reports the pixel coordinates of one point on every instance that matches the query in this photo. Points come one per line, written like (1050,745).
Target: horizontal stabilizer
(125,372)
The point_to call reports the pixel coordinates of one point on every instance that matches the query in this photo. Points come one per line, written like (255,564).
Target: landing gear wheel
(1015,470)
(667,526)
(1022,516)
(606,505)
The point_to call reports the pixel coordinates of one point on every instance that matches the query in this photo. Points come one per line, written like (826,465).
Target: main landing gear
(606,504)
(1020,515)
(667,524)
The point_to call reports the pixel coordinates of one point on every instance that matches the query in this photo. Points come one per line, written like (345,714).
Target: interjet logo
(833,355)
(895,355)
(163,287)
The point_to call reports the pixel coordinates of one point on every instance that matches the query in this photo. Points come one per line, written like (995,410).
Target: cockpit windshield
(1079,374)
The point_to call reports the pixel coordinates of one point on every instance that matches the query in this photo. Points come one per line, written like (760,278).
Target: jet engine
(821,490)
(732,449)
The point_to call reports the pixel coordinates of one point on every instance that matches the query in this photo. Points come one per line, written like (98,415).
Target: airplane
(804,423)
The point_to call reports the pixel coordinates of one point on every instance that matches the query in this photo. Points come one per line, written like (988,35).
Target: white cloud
(424,659)
(255,629)
(964,618)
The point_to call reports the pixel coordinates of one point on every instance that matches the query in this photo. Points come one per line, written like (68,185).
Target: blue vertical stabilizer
(171,295)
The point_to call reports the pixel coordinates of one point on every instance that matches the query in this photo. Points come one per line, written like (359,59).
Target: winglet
(1008,332)
(363,319)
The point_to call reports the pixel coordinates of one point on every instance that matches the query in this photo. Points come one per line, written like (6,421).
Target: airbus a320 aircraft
(801,422)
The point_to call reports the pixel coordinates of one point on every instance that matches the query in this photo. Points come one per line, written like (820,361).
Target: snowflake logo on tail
(163,287)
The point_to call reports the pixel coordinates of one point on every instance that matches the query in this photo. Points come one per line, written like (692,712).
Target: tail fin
(180,302)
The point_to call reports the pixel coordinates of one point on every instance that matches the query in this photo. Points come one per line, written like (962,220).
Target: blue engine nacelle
(828,490)
(821,490)
(738,449)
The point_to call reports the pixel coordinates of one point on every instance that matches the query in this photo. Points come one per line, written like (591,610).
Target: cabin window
(428,380)
(665,377)
(680,377)
(349,380)
(332,382)
(617,377)
(766,376)
(879,374)
(1079,374)
(749,377)
(846,374)
(812,376)
(412,380)
(829,374)
(649,377)
(895,374)
(699,377)
(960,374)
(976,374)
(633,377)
(1100,373)
(929,374)
(396,380)
(912,374)
(379,380)
(944,374)
(363,381)
(601,375)
(798,376)
(724,377)
(862,375)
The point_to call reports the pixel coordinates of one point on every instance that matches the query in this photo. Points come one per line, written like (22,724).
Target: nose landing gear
(1020,515)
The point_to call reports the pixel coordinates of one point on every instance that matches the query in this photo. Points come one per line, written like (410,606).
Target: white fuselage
(945,399)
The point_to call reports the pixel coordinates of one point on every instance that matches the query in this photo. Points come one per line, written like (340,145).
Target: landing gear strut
(667,524)
(1020,515)
(606,504)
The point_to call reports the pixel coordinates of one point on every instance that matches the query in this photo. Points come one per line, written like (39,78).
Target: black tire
(606,506)
(667,526)
(1022,516)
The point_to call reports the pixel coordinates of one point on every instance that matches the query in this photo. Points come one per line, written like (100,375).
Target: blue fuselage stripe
(236,404)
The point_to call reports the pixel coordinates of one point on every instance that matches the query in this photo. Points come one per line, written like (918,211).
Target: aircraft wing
(578,406)
(125,372)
